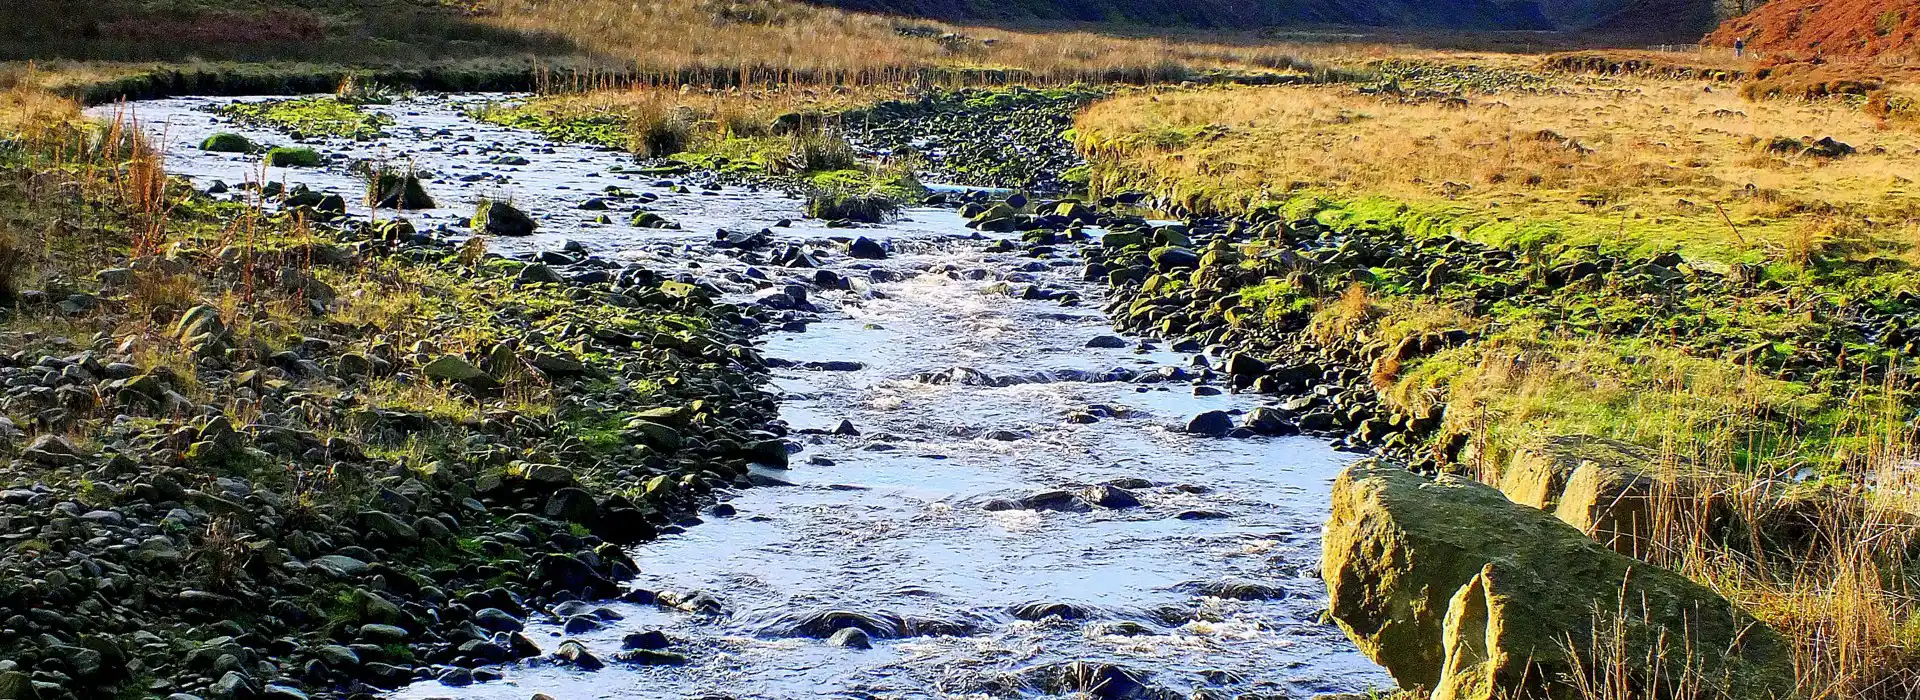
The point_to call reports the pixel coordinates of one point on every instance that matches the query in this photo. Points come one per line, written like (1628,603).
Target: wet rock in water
(1241,364)
(1201,514)
(1063,501)
(1107,342)
(1211,423)
(1091,679)
(823,624)
(563,572)
(650,639)
(502,219)
(650,657)
(851,638)
(1036,611)
(575,654)
(1110,496)
(647,219)
(1122,628)
(1267,420)
(1240,589)
(497,620)
(1450,586)
(999,218)
(866,249)
(400,191)
(845,428)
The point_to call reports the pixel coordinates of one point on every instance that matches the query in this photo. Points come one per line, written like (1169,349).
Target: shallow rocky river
(932,407)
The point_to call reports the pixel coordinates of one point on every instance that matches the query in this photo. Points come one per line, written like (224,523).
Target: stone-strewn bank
(296,455)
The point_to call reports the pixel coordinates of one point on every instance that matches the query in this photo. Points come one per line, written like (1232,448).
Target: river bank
(1487,298)
(264,451)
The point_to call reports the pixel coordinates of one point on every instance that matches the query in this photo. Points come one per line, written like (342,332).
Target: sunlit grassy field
(1732,173)
(1626,163)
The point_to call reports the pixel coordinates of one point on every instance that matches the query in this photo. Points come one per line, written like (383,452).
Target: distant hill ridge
(1687,19)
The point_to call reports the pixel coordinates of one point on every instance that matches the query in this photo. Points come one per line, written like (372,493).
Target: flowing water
(960,396)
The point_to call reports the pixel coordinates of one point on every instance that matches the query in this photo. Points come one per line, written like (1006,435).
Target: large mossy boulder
(502,219)
(1604,488)
(1458,591)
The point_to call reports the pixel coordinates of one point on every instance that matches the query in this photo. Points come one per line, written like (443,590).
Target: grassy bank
(316,444)
(1498,262)
(1702,183)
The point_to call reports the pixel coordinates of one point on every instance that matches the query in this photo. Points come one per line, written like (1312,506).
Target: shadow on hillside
(1468,26)
(346,32)
(1332,36)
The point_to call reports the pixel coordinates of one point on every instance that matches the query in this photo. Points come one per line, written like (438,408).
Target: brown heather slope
(1849,28)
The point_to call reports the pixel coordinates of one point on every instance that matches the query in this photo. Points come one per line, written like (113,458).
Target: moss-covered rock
(1456,589)
(1604,488)
(999,218)
(292,157)
(225,142)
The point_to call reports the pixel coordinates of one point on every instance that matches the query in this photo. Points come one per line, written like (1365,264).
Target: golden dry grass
(775,40)
(1660,159)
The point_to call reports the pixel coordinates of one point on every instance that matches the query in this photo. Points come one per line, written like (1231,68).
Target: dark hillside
(1649,20)
(1445,14)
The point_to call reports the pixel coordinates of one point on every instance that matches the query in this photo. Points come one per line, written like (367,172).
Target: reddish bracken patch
(1840,28)
(217,27)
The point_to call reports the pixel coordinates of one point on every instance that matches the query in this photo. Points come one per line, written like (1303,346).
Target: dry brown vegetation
(777,40)
(1681,163)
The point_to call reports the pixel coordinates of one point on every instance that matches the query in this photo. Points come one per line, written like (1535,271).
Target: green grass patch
(310,117)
